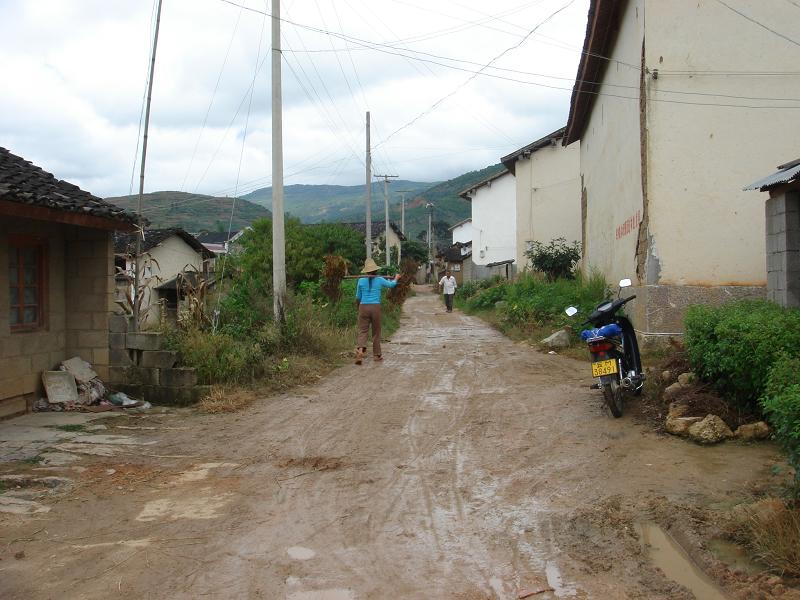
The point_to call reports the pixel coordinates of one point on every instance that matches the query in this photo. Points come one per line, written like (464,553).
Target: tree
(416,251)
(556,260)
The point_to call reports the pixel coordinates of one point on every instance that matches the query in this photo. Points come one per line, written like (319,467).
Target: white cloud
(75,74)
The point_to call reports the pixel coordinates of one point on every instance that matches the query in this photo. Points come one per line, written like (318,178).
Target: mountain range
(312,204)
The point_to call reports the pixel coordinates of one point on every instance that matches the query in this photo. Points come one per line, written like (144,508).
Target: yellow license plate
(604,367)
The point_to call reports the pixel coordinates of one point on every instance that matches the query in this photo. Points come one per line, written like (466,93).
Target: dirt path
(465,466)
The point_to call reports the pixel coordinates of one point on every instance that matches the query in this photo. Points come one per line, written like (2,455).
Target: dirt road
(465,466)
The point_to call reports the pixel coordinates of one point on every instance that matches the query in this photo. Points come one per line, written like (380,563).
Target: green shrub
(736,344)
(556,260)
(218,357)
(781,404)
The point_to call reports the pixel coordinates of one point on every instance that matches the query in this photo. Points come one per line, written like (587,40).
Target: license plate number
(604,367)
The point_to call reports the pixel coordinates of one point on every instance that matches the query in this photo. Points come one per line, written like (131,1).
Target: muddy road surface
(464,466)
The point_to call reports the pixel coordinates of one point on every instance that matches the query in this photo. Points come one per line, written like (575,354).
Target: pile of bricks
(141,369)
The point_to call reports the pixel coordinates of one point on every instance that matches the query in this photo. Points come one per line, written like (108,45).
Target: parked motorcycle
(614,350)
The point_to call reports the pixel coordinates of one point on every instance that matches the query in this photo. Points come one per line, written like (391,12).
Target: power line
(760,24)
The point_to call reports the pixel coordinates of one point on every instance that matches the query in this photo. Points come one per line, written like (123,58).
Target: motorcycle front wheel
(613,394)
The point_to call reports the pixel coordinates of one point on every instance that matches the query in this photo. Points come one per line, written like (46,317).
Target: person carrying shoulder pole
(368,300)
(448,285)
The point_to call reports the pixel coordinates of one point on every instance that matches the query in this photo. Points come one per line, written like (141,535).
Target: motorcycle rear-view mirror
(625,283)
(571,311)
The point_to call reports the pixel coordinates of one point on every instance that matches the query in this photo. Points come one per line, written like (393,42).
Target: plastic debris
(122,399)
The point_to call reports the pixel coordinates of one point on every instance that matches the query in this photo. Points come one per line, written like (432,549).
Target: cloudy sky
(75,73)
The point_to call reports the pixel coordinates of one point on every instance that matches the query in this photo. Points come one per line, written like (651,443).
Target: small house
(378,230)
(56,278)
(548,192)
(494,221)
(783,233)
(169,260)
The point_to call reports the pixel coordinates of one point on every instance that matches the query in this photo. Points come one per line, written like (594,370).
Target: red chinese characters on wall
(631,224)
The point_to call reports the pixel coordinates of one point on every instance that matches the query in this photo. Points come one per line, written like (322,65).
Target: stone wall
(783,248)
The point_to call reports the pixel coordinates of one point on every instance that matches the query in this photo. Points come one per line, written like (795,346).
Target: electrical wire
(760,24)
(213,96)
(144,98)
(465,82)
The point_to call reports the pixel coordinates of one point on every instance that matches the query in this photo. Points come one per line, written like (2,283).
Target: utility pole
(429,206)
(368,228)
(402,220)
(386,214)
(140,234)
(278,232)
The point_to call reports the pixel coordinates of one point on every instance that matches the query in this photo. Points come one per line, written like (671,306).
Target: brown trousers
(369,314)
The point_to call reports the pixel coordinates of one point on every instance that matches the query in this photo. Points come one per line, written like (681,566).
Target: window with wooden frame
(27,283)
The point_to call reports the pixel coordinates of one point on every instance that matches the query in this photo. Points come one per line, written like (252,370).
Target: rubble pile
(75,387)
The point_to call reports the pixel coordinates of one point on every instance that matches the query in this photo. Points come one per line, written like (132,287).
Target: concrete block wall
(88,290)
(783,248)
(25,354)
(141,369)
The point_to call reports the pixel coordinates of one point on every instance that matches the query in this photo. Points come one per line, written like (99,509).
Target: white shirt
(449,284)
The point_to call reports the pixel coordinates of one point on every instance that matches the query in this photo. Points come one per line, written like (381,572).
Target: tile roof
(215,237)
(125,243)
(23,182)
(551,139)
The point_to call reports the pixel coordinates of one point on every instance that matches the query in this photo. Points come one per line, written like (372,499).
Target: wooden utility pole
(429,206)
(140,234)
(278,231)
(368,224)
(402,220)
(386,214)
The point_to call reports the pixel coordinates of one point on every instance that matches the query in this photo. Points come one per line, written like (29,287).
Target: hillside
(313,204)
(334,203)
(444,196)
(192,212)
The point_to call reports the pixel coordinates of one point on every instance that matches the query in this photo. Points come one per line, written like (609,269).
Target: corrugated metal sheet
(787,174)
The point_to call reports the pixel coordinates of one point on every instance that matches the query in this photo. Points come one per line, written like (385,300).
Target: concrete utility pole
(429,206)
(278,232)
(386,214)
(140,234)
(402,219)
(368,229)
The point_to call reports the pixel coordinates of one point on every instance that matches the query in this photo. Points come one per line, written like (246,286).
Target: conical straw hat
(370,266)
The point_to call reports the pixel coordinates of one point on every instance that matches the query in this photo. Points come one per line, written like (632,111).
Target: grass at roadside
(531,307)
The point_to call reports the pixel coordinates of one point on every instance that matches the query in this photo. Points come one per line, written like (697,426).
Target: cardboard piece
(60,387)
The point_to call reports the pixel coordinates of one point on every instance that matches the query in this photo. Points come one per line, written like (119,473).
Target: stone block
(9,388)
(143,341)
(119,357)
(13,406)
(92,339)
(79,320)
(117,375)
(118,324)
(100,356)
(159,359)
(175,396)
(117,341)
(100,321)
(141,375)
(180,377)
(12,346)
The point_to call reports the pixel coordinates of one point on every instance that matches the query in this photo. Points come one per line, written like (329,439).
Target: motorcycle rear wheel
(613,394)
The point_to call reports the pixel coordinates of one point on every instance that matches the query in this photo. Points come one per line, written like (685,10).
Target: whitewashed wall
(494,219)
(548,197)
(462,234)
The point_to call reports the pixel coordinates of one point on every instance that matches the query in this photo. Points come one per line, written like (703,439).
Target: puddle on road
(673,561)
(734,556)
(555,581)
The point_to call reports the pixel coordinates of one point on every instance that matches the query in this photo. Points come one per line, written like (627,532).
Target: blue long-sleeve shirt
(371,294)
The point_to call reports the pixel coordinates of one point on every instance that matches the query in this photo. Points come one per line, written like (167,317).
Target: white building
(675,104)
(494,220)
(548,192)
(462,232)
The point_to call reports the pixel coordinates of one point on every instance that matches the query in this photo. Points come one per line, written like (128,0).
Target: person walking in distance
(368,298)
(449,285)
